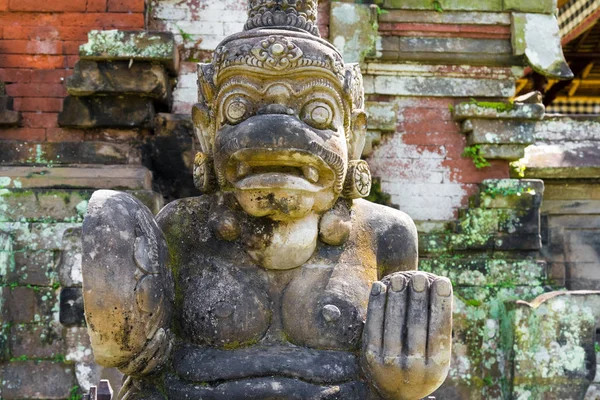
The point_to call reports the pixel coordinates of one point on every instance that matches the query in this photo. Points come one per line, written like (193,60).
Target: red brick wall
(39,45)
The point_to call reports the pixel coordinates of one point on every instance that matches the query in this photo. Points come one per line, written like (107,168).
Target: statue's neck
(284,245)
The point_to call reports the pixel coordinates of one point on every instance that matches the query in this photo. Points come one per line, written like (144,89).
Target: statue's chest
(317,306)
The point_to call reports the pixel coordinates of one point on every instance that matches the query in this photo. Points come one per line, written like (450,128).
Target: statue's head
(280,118)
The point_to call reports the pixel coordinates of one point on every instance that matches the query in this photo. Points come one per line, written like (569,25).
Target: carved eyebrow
(243,83)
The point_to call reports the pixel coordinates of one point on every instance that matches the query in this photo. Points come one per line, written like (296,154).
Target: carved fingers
(407,338)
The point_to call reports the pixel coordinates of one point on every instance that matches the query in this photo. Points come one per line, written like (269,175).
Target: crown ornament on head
(299,14)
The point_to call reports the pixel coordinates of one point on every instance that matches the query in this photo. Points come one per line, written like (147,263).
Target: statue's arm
(408,333)
(127,288)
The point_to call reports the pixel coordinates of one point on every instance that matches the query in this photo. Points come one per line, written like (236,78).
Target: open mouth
(272,169)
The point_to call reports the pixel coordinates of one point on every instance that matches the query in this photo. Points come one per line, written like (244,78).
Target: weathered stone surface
(537,37)
(450,17)
(71,307)
(516,111)
(170,153)
(35,341)
(453,51)
(42,205)
(449,5)
(562,160)
(85,176)
(69,262)
(382,116)
(531,6)
(353,30)
(132,45)
(553,340)
(120,78)
(510,152)
(569,207)
(36,380)
(7,261)
(19,305)
(9,118)
(60,153)
(514,194)
(107,112)
(422,86)
(33,268)
(37,236)
(561,129)
(484,131)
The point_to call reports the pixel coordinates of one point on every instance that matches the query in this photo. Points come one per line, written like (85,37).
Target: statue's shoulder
(185,216)
(393,234)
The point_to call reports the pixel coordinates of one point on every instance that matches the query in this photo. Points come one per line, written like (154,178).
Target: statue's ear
(357,135)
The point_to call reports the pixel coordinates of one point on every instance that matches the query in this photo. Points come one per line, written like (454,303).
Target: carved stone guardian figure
(280,281)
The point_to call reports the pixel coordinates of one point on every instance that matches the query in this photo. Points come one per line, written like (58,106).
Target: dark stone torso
(238,322)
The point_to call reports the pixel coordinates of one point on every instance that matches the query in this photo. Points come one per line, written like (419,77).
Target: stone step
(82,176)
(142,79)
(107,112)
(61,153)
(114,45)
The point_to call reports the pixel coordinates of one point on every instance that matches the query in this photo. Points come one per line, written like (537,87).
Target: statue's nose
(276,109)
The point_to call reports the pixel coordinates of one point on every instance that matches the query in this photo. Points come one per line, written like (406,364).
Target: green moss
(474,153)
(495,105)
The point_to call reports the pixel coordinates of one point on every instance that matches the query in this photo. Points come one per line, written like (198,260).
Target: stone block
(43,205)
(520,222)
(451,18)
(425,86)
(120,78)
(37,380)
(19,305)
(34,268)
(9,118)
(6,102)
(513,194)
(35,341)
(513,242)
(61,153)
(78,345)
(71,307)
(510,152)
(448,5)
(171,154)
(114,45)
(7,260)
(560,129)
(88,176)
(553,342)
(537,37)
(560,160)
(517,111)
(353,30)
(487,131)
(531,6)
(571,207)
(107,112)
(69,262)
(572,191)
(381,116)
(36,236)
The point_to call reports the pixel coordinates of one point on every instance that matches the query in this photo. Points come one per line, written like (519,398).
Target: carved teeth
(311,174)
(243,169)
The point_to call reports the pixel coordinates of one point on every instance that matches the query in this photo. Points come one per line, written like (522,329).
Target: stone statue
(280,281)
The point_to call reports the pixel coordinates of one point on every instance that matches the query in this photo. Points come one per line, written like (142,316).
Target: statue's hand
(408,335)
(127,287)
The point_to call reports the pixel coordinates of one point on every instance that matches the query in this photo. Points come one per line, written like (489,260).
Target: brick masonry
(39,46)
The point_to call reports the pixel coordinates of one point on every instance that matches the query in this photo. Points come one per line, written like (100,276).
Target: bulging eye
(318,114)
(237,109)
